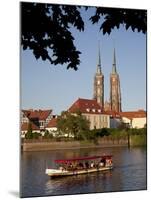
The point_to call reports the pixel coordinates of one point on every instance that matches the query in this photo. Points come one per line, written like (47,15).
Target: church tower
(115,90)
(98,93)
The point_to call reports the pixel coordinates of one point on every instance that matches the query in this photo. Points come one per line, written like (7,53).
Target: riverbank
(46,145)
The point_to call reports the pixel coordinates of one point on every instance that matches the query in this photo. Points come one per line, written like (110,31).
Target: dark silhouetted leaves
(113,17)
(45,28)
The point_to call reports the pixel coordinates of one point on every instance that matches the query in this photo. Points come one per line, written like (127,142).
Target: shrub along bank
(134,137)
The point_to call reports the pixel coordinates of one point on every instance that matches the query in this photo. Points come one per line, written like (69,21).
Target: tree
(130,18)
(76,124)
(46,28)
(48,135)
(29,134)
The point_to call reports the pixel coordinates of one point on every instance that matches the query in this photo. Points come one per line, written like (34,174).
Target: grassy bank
(94,138)
(138,140)
(41,145)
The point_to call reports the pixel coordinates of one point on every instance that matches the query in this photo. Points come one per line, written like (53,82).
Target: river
(129,172)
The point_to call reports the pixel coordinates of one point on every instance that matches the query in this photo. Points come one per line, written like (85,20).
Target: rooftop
(85,106)
(37,114)
(24,126)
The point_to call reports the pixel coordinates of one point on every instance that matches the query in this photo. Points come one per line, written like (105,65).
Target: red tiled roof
(39,114)
(112,114)
(86,106)
(24,126)
(52,123)
(134,114)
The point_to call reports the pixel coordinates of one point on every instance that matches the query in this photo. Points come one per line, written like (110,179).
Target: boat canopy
(84,158)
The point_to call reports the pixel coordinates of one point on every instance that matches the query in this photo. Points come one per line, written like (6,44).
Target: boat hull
(59,173)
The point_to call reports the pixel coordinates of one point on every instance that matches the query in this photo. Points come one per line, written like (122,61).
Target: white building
(52,126)
(92,111)
(24,129)
(135,119)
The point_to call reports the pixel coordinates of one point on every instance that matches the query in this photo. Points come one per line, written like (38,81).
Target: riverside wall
(44,145)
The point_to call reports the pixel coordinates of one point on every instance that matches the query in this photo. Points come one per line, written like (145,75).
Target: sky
(45,86)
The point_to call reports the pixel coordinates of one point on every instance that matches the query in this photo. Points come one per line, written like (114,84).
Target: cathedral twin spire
(99,83)
(99,62)
(115,93)
(99,70)
(114,63)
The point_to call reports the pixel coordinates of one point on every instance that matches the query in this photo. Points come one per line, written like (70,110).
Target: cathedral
(114,104)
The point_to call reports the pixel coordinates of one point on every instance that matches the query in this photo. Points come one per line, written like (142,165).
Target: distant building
(99,114)
(24,128)
(91,110)
(52,126)
(98,93)
(115,90)
(39,117)
(115,119)
(107,106)
(135,119)
(115,103)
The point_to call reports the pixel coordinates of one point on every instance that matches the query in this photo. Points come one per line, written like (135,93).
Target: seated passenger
(101,164)
(61,168)
(80,165)
(87,165)
(92,164)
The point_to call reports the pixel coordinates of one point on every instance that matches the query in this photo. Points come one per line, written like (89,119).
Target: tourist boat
(84,165)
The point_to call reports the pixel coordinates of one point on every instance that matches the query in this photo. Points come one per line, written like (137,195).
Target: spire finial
(99,60)
(114,63)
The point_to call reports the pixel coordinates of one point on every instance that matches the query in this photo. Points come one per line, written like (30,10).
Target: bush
(48,135)
(36,135)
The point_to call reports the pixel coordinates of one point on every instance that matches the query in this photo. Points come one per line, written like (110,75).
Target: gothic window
(113,79)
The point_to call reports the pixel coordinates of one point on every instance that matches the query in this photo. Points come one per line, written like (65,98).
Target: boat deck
(59,173)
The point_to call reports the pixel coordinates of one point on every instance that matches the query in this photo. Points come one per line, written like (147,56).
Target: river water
(129,172)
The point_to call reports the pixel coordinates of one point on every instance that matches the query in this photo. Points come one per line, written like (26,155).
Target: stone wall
(44,146)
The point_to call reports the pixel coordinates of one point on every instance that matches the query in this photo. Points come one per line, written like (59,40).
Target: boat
(83,165)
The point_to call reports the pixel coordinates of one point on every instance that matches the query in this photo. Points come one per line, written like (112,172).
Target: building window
(98,90)
(41,123)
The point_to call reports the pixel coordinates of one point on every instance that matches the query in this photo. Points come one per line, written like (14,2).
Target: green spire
(114,63)
(99,61)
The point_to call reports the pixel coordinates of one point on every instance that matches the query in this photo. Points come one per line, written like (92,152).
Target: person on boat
(109,162)
(103,161)
(62,168)
(70,166)
(100,164)
(75,166)
(80,165)
(92,164)
(86,165)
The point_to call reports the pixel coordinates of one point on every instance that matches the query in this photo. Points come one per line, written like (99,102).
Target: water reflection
(129,172)
(78,184)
